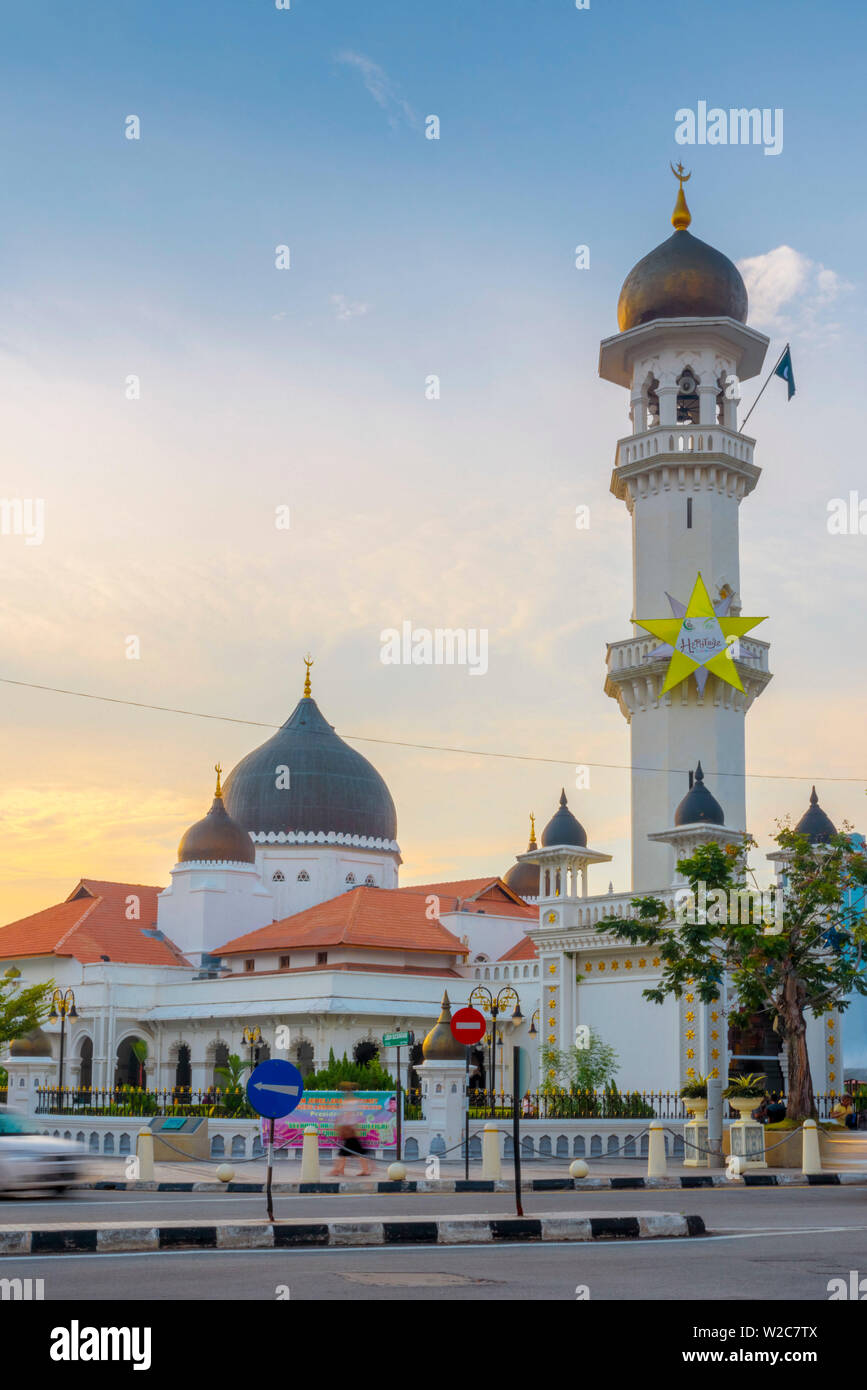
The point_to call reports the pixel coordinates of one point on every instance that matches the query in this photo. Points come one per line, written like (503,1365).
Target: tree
(232,1074)
(808,959)
(581,1068)
(366,1076)
(22,1008)
(140,1052)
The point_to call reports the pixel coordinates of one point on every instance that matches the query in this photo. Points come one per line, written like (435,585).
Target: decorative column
(442,1076)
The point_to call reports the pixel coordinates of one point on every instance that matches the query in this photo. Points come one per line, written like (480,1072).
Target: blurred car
(34,1162)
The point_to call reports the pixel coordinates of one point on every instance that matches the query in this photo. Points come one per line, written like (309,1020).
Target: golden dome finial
(308,662)
(532,844)
(681,217)
(218,769)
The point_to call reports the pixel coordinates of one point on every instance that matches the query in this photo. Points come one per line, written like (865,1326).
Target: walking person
(351,1145)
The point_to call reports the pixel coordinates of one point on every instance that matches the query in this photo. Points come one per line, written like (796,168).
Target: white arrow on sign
(284,1090)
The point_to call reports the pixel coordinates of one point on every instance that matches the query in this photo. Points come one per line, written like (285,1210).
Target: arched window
(365,1051)
(303,877)
(350,877)
(370,881)
(278,876)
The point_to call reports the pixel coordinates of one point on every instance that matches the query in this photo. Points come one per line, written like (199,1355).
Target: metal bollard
(811,1161)
(144,1152)
(310,1154)
(657,1163)
(491,1152)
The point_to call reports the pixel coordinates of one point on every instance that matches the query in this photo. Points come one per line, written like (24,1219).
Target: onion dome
(439,1045)
(523,879)
(682,278)
(216,838)
(306,779)
(563,828)
(698,805)
(815,823)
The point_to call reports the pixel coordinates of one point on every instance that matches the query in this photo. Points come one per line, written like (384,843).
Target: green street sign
(396,1039)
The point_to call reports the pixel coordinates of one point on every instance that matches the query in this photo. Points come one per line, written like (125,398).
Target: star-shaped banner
(698,639)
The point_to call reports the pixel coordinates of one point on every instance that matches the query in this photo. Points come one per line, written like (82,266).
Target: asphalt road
(793,1262)
(723,1209)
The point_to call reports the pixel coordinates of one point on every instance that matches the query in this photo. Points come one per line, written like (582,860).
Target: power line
(422,747)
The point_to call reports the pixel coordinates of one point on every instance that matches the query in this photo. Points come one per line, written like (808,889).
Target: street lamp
(533,1029)
(252,1037)
(62,1007)
(482,997)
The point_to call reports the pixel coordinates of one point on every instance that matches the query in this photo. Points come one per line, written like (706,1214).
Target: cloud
(380,86)
(348,308)
(790,291)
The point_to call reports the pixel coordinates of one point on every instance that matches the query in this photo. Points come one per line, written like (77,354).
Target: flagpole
(761,393)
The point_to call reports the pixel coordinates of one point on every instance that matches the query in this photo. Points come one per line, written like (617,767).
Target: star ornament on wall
(698,638)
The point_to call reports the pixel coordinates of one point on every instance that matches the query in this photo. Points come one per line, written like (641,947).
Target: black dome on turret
(815,823)
(331,786)
(699,805)
(563,828)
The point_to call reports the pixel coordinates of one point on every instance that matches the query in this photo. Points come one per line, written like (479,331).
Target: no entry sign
(468,1025)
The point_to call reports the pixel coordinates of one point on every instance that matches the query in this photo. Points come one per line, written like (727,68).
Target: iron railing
(227,1103)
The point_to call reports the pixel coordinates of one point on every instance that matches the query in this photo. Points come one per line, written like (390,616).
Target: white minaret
(682,472)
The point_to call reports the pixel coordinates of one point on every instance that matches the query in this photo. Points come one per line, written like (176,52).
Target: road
(766,1244)
(726,1208)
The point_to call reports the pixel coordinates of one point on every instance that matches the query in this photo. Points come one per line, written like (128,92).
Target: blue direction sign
(275,1088)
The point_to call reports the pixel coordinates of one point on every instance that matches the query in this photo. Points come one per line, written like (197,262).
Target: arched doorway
(85,1065)
(756,1048)
(304,1057)
(365,1052)
(416,1057)
(131,1069)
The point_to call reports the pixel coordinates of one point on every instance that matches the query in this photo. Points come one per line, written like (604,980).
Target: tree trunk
(800,1103)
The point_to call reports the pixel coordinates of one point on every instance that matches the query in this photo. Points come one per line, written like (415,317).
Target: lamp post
(482,998)
(533,1021)
(252,1038)
(62,1007)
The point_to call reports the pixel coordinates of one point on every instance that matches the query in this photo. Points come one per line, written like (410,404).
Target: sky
(263,388)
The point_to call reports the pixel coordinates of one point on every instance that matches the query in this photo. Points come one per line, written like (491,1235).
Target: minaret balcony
(684,458)
(635,677)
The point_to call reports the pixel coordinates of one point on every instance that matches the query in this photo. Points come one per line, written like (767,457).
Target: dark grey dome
(682,278)
(698,805)
(216,838)
(563,828)
(815,823)
(331,787)
(523,879)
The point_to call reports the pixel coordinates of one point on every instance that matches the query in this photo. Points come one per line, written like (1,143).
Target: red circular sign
(468,1025)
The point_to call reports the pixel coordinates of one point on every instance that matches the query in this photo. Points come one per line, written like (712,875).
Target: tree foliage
(22,1008)
(581,1068)
(811,960)
(366,1076)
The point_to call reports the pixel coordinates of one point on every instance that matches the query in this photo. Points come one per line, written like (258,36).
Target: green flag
(784,370)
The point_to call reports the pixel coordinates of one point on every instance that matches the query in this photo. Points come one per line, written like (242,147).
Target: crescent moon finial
(681,217)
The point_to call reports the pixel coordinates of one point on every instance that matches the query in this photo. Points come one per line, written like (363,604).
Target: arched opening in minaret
(687,397)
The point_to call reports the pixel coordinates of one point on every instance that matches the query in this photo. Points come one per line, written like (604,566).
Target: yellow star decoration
(690,1032)
(689,998)
(655,960)
(714,1033)
(614,965)
(627,965)
(689,1052)
(689,1015)
(699,639)
(552,968)
(714,1016)
(642,963)
(714,1052)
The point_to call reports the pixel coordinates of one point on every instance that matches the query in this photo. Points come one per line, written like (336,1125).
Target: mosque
(284,925)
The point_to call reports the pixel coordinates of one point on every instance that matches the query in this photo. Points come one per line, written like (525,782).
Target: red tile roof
(92,923)
(475,894)
(365,917)
(525,949)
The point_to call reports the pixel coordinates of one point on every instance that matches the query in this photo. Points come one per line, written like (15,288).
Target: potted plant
(694,1094)
(744,1092)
